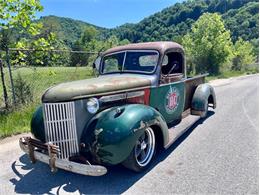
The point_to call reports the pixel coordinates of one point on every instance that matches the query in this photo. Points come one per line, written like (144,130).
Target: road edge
(221,82)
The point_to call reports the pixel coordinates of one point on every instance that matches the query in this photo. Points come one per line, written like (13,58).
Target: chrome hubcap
(144,148)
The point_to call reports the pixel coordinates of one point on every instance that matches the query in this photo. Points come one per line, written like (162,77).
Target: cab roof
(160,46)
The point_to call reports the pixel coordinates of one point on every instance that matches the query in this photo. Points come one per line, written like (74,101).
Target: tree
(243,55)
(90,42)
(17,14)
(89,34)
(208,45)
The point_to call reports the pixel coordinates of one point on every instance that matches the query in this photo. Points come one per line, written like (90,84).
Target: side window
(165,61)
(172,63)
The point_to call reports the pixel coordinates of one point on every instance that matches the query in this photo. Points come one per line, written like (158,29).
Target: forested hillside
(240,17)
(67,30)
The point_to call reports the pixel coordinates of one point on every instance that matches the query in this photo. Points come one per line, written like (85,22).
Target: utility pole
(10,73)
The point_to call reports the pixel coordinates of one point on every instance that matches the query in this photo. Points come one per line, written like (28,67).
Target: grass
(42,78)
(17,120)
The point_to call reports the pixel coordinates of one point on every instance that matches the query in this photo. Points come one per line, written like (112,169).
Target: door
(169,97)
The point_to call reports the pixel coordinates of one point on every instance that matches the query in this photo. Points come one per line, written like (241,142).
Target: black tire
(143,152)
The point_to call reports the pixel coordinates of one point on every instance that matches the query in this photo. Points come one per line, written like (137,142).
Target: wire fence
(27,73)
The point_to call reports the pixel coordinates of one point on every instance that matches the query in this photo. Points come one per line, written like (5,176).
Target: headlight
(92,105)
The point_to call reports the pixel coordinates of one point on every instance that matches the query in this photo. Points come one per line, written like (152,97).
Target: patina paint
(114,131)
(200,97)
(168,99)
(95,87)
(37,124)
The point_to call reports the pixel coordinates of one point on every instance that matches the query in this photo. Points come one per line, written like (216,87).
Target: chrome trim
(54,163)
(60,127)
(135,94)
(122,96)
(112,98)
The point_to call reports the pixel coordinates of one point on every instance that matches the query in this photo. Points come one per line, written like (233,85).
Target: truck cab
(142,99)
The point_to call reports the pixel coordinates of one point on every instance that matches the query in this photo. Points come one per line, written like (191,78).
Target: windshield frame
(129,71)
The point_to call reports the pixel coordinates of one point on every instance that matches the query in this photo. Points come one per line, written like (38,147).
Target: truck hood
(102,85)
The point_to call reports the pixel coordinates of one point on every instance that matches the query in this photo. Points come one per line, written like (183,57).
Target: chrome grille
(60,127)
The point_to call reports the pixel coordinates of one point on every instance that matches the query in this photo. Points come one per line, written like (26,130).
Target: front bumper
(33,147)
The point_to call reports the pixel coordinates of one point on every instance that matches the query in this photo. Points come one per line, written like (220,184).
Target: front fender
(203,95)
(112,133)
(37,124)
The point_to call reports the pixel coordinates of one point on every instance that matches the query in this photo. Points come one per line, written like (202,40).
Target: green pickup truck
(141,100)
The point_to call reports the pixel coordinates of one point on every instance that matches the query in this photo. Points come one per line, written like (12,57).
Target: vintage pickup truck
(141,100)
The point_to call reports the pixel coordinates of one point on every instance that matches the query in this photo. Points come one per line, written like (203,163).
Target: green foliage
(172,23)
(42,54)
(16,121)
(243,22)
(39,78)
(68,31)
(89,42)
(208,45)
(243,55)
(19,13)
(23,90)
(89,34)
(240,17)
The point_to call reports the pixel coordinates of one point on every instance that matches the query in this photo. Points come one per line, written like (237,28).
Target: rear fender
(111,135)
(203,95)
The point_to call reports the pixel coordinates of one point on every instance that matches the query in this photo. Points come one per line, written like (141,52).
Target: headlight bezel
(92,105)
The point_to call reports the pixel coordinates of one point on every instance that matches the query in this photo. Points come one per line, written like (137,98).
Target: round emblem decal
(172,100)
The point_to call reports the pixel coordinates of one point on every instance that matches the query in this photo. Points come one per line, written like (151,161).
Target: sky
(105,13)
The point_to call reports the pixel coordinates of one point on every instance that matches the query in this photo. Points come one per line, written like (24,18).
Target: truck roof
(160,46)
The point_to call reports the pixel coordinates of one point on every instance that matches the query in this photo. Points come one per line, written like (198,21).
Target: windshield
(130,61)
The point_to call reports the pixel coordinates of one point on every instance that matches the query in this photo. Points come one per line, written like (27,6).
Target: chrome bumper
(30,146)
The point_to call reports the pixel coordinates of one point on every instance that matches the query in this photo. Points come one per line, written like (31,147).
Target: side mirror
(96,64)
(165,61)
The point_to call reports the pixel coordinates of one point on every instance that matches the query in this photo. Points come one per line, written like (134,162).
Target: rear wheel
(142,153)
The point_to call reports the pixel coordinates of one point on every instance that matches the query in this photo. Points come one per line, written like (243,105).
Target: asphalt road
(218,155)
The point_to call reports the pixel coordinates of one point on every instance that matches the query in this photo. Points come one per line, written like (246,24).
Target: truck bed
(191,84)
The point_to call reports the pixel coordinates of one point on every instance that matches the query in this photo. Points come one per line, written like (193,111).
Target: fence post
(10,73)
(3,83)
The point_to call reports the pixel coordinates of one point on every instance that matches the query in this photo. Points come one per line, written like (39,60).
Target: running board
(176,131)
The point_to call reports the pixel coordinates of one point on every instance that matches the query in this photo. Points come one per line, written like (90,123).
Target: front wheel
(142,153)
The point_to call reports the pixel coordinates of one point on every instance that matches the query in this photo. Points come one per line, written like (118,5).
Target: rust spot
(147,124)
(95,146)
